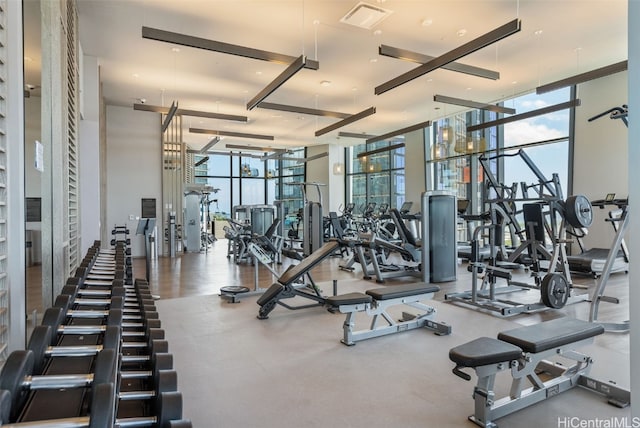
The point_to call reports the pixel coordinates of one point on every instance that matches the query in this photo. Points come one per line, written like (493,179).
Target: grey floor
(292,371)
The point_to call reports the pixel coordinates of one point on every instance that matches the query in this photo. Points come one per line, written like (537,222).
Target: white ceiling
(559,38)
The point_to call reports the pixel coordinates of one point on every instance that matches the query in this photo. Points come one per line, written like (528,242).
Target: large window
(453,158)
(376,173)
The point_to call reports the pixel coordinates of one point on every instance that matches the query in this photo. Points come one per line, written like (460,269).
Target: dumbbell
(40,343)
(101,413)
(166,410)
(17,377)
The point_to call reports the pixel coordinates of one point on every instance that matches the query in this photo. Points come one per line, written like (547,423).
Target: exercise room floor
(292,371)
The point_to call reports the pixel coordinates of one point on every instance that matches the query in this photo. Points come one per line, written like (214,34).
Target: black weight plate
(5,406)
(159,346)
(103,405)
(118,292)
(161,361)
(579,212)
(104,370)
(63,301)
(115,317)
(165,381)
(53,317)
(168,408)
(554,290)
(156,334)
(39,341)
(112,338)
(117,302)
(152,323)
(18,365)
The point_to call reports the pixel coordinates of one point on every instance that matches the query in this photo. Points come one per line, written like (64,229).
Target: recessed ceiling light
(429,80)
(426,22)
(537,32)
(461,32)
(469,88)
(325,83)
(175,49)
(373,60)
(514,82)
(377,32)
(259,73)
(136,75)
(316,22)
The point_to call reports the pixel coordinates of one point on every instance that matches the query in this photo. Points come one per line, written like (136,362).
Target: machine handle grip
(456,371)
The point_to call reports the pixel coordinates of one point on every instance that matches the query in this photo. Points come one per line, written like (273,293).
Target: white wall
(600,158)
(321,171)
(89,151)
(133,168)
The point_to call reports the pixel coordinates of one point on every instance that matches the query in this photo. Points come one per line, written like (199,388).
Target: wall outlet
(132,217)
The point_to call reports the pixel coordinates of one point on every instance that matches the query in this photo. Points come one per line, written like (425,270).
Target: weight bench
(524,351)
(286,289)
(375,303)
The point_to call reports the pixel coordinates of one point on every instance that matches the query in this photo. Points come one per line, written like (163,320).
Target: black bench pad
(551,334)
(291,275)
(396,292)
(349,299)
(484,351)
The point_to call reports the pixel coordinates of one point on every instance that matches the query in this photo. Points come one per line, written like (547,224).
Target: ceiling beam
(184,112)
(169,117)
(457,53)
(346,121)
(221,47)
(354,135)
(230,134)
(380,150)
(303,110)
(525,115)
(584,77)
(211,143)
(254,148)
(399,131)
(473,104)
(287,74)
(419,58)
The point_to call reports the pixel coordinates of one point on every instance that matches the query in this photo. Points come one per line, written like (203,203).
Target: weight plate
(105,369)
(111,338)
(554,290)
(165,381)
(168,408)
(103,405)
(18,365)
(38,343)
(5,407)
(579,212)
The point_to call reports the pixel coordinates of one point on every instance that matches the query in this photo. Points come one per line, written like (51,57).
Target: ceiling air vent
(365,16)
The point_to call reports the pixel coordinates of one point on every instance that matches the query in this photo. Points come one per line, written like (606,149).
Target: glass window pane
(222,198)
(252,191)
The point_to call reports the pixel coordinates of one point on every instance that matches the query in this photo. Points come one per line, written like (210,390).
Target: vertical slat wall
(173,154)
(4,283)
(71,155)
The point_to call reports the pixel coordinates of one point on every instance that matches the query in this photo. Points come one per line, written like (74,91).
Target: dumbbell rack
(99,359)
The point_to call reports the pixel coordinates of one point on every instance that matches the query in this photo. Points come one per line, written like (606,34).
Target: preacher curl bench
(524,351)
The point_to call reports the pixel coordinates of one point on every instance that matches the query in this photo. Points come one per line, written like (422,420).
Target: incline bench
(286,288)
(523,350)
(375,303)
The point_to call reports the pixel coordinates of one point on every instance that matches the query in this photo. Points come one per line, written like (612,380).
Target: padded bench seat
(484,351)
(383,293)
(551,334)
(396,292)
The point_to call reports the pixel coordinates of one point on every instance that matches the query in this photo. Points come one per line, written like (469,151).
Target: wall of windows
(249,180)
(545,139)
(378,176)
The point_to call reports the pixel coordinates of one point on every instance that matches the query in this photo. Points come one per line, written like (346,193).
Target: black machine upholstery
(400,291)
(483,351)
(308,263)
(551,334)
